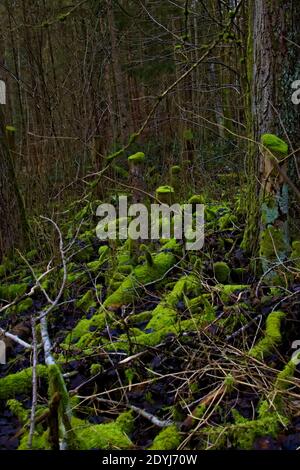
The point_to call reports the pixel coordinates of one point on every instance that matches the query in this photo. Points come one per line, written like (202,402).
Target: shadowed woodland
(143,344)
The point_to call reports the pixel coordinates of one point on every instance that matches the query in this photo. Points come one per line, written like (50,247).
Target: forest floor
(159,348)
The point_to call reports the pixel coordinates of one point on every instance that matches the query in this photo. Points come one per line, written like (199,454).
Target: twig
(15,338)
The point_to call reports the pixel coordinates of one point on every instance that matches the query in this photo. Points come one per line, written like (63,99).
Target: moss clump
(111,436)
(11,291)
(221,271)
(272,336)
(17,409)
(278,147)
(243,432)
(24,305)
(168,439)
(284,377)
(141,275)
(138,157)
(165,194)
(196,199)
(20,382)
(96,369)
(87,301)
(82,332)
(175,170)
(227,290)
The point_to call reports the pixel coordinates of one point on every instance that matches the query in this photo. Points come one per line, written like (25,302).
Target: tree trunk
(270,58)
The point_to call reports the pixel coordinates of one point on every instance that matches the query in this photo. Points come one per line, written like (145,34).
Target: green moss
(221,271)
(227,221)
(227,290)
(96,369)
(57,385)
(284,377)
(39,442)
(20,382)
(272,336)
(24,305)
(139,317)
(243,432)
(196,199)
(17,409)
(87,301)
(175,169)
(141,275)
(277,146)
(138,157)
(111,436)
(11,291)
(168,439)
(84,328)
(164,190)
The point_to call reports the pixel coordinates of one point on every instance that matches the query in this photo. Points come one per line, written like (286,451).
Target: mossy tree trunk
(269,108)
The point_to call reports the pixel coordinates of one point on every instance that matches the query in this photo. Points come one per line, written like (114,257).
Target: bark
(270,60)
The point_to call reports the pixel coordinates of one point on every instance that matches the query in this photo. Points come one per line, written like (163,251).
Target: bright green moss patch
(86,327)
(111,436)
(164,190)
(141,275)
(20,382)
(168,439)
(273,143)
(272,336)
(138,157)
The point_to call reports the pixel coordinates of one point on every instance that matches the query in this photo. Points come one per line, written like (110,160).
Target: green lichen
(168,439)
(278,147)
(272,336)
(221,271)
(20,382)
